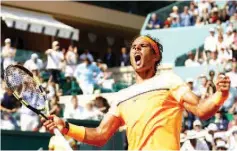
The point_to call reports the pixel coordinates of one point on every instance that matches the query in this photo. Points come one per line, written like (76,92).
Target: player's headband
(153,44)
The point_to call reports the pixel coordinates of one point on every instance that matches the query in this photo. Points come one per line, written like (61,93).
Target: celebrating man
(151,109)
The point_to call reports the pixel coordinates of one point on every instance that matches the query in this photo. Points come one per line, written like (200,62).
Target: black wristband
(66,128)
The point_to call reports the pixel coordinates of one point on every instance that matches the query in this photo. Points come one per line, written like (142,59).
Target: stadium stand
(181,45)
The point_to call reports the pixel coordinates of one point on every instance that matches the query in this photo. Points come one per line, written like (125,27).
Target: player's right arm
(94,136)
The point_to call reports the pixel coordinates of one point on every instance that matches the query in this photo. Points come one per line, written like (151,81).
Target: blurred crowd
(66,72)
(14,116)
(198,13)
(72,72)
(219,48)
(219,132)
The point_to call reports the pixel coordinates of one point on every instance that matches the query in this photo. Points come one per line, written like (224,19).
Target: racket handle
(58,133)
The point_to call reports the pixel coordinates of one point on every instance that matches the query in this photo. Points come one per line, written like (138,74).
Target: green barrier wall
(23,55)
(18,140)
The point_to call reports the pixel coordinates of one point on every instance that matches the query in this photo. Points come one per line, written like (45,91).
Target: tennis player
(151,109)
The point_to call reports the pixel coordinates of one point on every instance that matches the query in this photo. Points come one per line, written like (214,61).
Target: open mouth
(138,59)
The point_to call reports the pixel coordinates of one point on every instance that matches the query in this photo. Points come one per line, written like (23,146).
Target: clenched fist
(223,84)
(54,122)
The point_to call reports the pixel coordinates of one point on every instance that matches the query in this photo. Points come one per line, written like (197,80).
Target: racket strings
(24,85)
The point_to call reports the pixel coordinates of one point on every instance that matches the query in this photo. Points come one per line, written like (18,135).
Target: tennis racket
(29,92)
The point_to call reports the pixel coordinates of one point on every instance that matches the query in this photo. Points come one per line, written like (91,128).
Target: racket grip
(66,143)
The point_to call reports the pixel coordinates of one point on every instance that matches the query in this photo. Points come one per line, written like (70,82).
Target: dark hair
(160,48)
(211,72)
(104,101)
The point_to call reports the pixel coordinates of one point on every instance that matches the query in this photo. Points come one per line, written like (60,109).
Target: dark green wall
(18,140)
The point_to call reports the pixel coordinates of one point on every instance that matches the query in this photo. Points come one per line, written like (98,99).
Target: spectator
(191,62)
(211,130)
(124,58)
(197,126)
(29,121)
(232,98)
(224,16)
(214,16)
(9,107)
(167,22)
(194,142)
(224,55)
(203,5)
(234,44)
(219,137)
(220,43)
(212,75)
(9,103)
(8,54)
(219,27)
(175,22)
(71,60)
(203,87)
(188,120)
(33,62)
(229,38)
(205,16)
(213,59)
(200,58)
(210,41)
(100,64)
(210,88)
(233,20)
(199,22)
(220,120)
(55,107)
(233,138)
(55,143)
(52,88)
(185,18)
(105,80)
(74,110)
(36,73)
(221,145)
(175,12)
(86,74)
(102,104)
(193,11)
(91,113)
(233,75)
(87,55)
(231,7)
(54,57)
(190,84)
(6,122)
(154,22)
(110,58)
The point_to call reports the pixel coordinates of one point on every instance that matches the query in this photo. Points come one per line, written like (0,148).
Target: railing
(19,140)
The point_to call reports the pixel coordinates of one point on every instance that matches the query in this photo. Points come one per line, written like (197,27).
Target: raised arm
(196,55)
(208,107)
(48,52)
(94,136)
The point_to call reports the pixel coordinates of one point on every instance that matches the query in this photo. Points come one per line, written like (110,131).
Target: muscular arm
(208,107)
(100,135)
(94,136)
(203,109)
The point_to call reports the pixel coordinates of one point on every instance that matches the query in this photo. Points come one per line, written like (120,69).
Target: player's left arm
(208,107)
